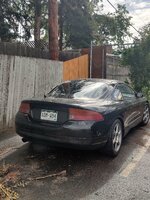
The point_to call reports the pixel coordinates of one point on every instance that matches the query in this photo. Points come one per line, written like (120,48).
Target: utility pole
(53,30)
(91,59)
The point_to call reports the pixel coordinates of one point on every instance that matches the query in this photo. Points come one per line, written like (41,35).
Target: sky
(139,10)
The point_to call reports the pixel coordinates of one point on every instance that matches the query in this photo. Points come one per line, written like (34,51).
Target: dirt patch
(13,177)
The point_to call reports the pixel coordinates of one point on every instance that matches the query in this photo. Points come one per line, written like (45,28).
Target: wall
(118,73)
(21,78)
(76,68)
(114,70)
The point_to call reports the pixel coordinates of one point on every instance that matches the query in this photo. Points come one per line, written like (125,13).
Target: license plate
(49,115)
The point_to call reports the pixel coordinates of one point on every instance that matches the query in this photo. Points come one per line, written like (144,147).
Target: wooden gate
(76,68)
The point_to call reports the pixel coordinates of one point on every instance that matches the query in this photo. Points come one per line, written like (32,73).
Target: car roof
(107,81)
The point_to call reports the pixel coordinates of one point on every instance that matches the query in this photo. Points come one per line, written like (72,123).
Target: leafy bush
(146,92)
(137,58)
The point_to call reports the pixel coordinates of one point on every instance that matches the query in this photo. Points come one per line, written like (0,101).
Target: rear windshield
(81,89)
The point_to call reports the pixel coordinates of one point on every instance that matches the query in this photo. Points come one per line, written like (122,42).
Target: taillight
(84,115)
(24,108)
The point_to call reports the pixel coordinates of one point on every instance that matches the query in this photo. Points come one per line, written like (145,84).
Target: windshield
(81,89)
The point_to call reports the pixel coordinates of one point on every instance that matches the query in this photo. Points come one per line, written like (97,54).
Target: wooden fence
(76,68)
(118,73)
(30,49)
(114,70)
(22,78)
(20,49)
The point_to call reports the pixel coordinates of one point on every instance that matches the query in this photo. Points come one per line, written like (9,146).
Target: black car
(86,114)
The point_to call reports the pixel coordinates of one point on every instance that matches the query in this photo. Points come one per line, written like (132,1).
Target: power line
(124,18)
(112,5)
(138,18)
(117,10)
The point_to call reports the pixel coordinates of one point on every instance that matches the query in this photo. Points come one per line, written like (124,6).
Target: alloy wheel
(146,115)
(117,137)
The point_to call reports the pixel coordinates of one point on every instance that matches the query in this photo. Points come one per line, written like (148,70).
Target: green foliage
(146,92)
(76,22)
(105,28)
(19,14)
(113,27)
(80,22)
(8,17)
(138,60)
(27,10)
(122,24)
(13,15)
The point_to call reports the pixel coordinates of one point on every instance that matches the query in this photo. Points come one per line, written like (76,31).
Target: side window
(117,95)
(126,91)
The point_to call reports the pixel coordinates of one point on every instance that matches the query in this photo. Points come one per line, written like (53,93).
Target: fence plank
(76,68)
(118,73)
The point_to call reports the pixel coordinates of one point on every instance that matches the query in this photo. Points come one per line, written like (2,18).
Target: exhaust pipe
(24,140)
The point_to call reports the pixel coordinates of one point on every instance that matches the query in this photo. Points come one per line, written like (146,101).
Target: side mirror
(139,95)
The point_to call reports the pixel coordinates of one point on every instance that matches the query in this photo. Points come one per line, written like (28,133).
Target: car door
(133,108)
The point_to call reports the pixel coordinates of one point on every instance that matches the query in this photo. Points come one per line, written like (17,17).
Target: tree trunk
(53,30)
(61,36)
(37,25)
(61,25)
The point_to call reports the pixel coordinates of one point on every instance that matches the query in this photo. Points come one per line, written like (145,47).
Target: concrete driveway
(59,174)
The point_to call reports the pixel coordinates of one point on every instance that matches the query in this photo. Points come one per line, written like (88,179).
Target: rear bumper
(69,135)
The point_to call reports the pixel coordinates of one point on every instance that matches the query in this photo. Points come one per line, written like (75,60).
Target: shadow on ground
(87,171)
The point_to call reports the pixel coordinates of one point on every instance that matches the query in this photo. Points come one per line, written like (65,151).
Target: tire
(146,115)
(114,142)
